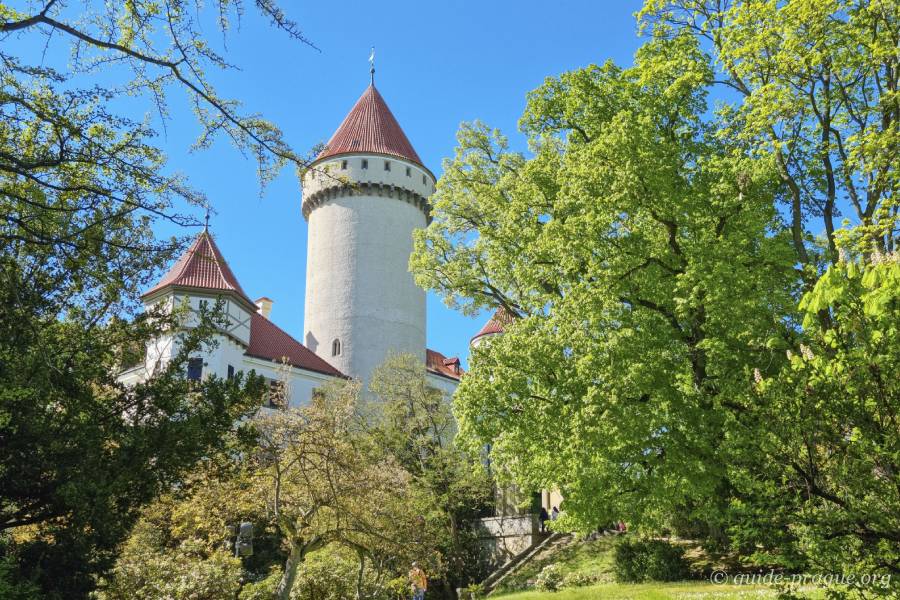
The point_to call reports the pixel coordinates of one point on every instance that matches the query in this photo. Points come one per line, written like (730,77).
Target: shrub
(472,592)
(330,574)
(649,560)
(578,580)
(264,589)
(549,579)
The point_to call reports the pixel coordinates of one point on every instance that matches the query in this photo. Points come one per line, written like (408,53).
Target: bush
(550,579)
(572,580)
(263,589)
(649,560)
(330,574)
(177,575)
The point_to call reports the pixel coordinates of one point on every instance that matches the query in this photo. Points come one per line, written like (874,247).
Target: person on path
(418,582)
(554,514)
(544,517)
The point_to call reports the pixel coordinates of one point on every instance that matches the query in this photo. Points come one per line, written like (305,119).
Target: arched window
(336,347)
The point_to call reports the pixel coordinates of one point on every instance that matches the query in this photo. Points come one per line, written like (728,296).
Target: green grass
(594,559)
(687,590)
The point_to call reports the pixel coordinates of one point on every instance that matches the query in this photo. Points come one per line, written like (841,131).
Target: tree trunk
(294,560)
(359,574)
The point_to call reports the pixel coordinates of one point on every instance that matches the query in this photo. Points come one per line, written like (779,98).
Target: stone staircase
(516,562)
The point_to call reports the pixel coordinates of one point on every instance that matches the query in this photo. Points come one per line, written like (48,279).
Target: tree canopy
(82,187)
(661,256)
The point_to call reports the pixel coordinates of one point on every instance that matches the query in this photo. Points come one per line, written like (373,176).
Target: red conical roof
(370,127)
(495,324)
(202,266)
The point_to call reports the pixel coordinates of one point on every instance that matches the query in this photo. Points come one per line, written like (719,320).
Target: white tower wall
(359,290)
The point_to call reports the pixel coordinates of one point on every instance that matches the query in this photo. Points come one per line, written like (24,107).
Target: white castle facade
(363,197)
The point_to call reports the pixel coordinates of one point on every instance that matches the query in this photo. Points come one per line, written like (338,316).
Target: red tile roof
(495,324)
(270,342)
(204,267)
(370,127)
(437,363)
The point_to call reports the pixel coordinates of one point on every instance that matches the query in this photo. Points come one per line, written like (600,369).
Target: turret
(201,278)
(363,197)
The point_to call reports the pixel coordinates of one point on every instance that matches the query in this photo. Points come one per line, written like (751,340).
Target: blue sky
(438,64)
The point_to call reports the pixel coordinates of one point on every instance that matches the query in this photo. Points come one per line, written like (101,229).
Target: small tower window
(387,165)
(423,180)
(336,347)
(230,371)
(408,171)
(365,163)
(343,165)
(195,369)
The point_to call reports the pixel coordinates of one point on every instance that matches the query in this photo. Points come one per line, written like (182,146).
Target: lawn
(687,590)
(594,560)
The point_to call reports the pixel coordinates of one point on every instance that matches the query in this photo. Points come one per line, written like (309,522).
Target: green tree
(412,420)
(826,462)
(326,482)
(81,188)
(817,83)
(636,249)
(654,254)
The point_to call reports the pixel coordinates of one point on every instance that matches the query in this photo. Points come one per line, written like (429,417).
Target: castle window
(408,171)
(336,347)
(423,180)
(343,165)
(387,165)
(230,372)
(195,369)
(365,163)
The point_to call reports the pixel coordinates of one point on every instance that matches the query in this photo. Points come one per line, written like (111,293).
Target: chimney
(264,306)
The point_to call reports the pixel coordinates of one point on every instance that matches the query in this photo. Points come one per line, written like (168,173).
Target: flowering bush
(550,579)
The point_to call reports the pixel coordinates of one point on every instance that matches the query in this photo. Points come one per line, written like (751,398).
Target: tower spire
(372,66)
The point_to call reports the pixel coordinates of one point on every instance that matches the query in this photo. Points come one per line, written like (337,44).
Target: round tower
(363,196)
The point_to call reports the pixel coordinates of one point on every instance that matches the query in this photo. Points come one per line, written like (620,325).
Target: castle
(363,196)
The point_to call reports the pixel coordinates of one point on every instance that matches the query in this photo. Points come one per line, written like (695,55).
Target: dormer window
(336,347)
(365,163)
(387,165)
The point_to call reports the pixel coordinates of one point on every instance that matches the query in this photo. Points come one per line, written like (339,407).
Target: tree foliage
(654,253)
(81,188)
(340,508)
